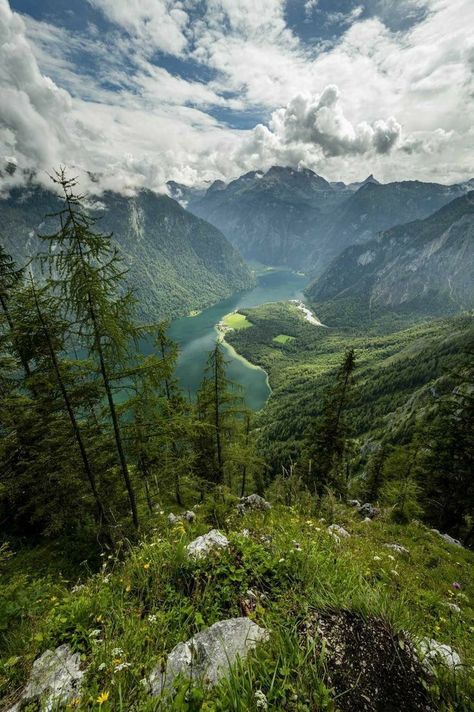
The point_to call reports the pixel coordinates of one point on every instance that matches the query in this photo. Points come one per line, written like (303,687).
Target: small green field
(194,312)
(236,321)
(283,339)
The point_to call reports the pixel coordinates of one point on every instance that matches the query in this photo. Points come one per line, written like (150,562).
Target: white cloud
(156,24)
(155,125)
(321,121)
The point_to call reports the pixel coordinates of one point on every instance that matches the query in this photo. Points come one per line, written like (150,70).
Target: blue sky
(141,91)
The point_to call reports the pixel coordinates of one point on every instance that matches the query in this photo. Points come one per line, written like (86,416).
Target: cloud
(103,102)
(321,121)
(155,24)
(34,112)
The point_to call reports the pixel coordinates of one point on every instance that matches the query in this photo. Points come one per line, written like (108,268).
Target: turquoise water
(197,335)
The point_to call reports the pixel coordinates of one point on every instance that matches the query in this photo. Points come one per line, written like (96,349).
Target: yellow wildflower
(146,566)
(103,697)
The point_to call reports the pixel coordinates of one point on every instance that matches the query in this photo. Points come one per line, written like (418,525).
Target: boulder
(337,532)
(398,548)
(206,543)
(208,656)
(368,510)
(253,503)
(434,653)
(55,677)
(447,538)
(188,516)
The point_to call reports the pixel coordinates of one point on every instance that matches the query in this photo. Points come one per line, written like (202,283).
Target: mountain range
(177,261)
(298,219)
(425,264)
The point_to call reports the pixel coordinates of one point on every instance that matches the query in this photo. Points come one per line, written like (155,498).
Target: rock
(398,548)
(55,676)
(253,503)
(206,543)
(454,607)
(447,538)
(188,516)
(433,653)
(353,503)
(208,656)
(368,510)
(336,531)
(367,520)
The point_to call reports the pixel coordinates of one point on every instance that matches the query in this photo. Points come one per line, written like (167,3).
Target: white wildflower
(121,666)
(94,633)
(261,700)
(152,618)
(116,652)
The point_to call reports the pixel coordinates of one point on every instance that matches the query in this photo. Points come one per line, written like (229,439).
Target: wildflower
(116,652)
(395,573)
(152,618)
(146,566)
(103,697)
(94,633)
(262,702)
(377,558)
(122,666)
(456,586)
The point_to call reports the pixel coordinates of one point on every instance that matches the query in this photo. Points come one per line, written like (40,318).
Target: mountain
(297,218)
(425,263)
(184,194)
(271,217)
(177,261)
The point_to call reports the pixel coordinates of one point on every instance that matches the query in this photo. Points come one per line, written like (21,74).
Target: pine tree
(327,440)
(374,474)
(88,273)
(218,407)
(11,277)
(401,488)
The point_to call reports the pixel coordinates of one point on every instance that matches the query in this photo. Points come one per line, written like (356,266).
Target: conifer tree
(11,277)
(88,273)
(219,407)
(328,438)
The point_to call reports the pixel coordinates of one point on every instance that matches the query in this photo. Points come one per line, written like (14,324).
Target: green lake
(196,336)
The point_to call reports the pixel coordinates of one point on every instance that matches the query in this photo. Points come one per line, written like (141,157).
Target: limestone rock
(337,532)
(206,543)
(447,538)
(253,503)
(208,656)
(55,677)
(398,548)
(433,653)
(368,510)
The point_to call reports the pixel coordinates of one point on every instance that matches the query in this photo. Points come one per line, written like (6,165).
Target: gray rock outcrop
(208,656)
(206,543)
(55,678)
(253,503)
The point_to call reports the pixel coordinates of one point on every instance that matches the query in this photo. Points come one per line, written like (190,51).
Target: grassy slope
(395,369)
(158,597)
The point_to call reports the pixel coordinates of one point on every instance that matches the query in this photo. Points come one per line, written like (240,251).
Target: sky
(133,93)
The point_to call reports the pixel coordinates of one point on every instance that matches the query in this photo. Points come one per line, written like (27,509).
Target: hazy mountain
(425,263)
(273,217)
(296,218)
(177,261)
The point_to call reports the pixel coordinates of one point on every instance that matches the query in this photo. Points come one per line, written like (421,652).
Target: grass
(236,321)
(283,339)
(156,596)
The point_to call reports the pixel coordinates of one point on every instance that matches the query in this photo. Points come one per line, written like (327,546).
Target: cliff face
(177,261)
(427,262)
